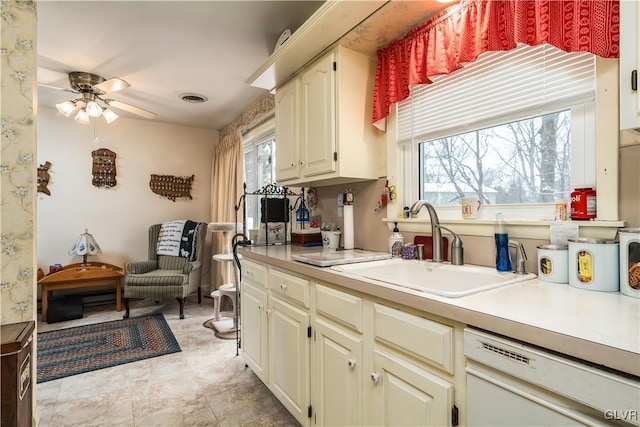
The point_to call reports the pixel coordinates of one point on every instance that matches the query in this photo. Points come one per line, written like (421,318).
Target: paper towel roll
(348,227)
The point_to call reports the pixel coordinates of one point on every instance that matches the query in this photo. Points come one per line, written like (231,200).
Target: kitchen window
(259,165)
(514,127)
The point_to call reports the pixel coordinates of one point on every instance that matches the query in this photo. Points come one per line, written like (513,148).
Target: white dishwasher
(510,383)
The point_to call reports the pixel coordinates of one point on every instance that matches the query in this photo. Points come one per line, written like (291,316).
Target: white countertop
(599,327)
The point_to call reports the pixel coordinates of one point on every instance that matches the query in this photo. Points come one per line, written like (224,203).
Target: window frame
(605,111)
(256,136)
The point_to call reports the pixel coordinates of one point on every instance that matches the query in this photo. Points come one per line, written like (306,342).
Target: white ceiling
(208,47)
(163,49)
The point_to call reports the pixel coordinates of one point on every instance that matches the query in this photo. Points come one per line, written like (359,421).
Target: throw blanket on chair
(178,238)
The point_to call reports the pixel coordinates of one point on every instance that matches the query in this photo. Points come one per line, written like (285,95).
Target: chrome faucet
(436,234)
(521,256)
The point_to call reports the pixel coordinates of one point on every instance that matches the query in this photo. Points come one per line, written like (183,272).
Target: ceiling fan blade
(63,89)
(112,85)
(130,108)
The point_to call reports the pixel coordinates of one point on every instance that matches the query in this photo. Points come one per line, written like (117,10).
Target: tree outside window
(526,161)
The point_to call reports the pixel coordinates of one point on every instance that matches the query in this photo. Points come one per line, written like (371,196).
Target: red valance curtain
(462,32)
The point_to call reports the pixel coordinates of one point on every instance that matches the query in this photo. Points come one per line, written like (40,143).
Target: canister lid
(629,230)
(592,240)
(554,247)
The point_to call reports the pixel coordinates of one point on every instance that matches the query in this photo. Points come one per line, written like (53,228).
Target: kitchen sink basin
(436,278)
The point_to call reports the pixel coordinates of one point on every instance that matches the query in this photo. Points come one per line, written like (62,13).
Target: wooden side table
(81,276)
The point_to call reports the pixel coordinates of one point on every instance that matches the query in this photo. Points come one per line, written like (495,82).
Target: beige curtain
(226,188)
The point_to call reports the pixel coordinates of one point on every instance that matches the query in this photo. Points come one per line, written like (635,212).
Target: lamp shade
(82,117)
(93,109)
(109,115)
(66,108)
(85,245)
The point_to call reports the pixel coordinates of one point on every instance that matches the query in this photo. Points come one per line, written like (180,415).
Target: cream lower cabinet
(275,340)
(338,351)
(289,369)
(337,358)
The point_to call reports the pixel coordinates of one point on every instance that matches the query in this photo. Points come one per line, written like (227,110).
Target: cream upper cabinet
(318,116)
(287,154)
(336,142)
(629,65)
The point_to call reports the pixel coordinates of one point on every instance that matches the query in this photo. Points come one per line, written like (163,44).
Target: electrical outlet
(340,200)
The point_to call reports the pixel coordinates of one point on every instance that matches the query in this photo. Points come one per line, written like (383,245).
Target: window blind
(499,87)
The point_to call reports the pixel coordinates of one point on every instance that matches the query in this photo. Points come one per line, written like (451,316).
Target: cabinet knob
(268,312)
(375,377)
(249,273)
(351,363)
(292,165)
(259,306)
(283,287)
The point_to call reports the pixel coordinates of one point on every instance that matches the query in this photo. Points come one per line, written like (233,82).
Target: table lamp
(85,245)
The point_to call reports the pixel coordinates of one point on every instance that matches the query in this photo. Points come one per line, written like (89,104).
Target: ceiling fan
(92,89)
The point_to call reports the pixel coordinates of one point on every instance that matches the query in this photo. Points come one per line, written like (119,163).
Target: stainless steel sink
(436,278)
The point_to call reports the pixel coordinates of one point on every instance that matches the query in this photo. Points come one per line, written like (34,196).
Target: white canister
(594,264)
(630,261)
(553,263)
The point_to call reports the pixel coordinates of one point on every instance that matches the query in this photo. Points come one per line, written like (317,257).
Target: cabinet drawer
(422,338)
(254,273)
(340,306)
(292,287)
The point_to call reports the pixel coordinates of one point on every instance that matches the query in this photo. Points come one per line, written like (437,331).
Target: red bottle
(583,203)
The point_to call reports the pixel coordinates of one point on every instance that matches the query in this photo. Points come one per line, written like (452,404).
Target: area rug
(81,349)
(222,329)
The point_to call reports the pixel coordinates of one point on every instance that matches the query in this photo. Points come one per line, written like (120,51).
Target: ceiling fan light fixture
(93,109)
(66,108)
(109,115)
(82,117)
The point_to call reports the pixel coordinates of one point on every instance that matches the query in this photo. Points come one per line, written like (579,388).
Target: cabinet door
(287,137)
(254,329)
(338,376)
(318,118)
(406,395)
(289,367)
(629,62)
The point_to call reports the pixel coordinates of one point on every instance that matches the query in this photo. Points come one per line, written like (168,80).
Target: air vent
(506,353)
(193,98)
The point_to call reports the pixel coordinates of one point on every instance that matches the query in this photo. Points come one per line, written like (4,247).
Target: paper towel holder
(348,197)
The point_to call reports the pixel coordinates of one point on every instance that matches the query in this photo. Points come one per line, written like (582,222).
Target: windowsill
(518,228)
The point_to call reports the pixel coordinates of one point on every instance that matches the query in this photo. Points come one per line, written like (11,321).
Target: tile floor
(205,384)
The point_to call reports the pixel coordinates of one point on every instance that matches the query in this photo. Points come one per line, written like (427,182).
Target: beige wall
(630,184)
(117,217)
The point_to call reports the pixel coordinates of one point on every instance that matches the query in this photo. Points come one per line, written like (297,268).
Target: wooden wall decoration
(172,187)
(43,178)
(104,168)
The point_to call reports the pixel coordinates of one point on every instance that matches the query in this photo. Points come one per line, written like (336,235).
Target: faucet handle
(521,256)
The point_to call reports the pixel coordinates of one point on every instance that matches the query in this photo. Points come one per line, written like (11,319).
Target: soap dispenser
(396,241)
(503,259)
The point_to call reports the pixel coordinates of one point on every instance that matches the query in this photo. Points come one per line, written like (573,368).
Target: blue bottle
(503,260)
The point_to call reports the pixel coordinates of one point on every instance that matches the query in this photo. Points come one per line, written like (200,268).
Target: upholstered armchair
(169,272)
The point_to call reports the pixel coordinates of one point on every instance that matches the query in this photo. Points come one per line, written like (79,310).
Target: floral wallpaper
(17,161)
(391,22)
(251,115)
